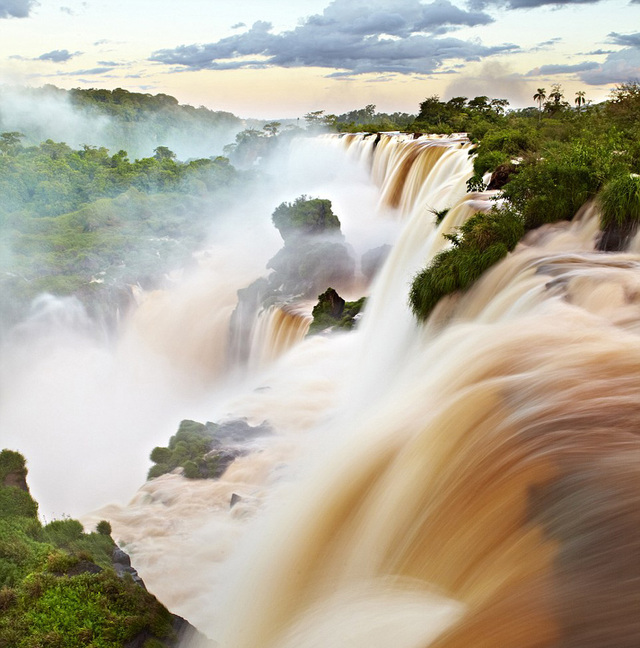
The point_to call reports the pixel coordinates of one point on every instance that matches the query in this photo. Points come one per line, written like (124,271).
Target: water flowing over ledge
(467,482)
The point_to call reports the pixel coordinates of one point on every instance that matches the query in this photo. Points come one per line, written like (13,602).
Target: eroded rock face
(17,479)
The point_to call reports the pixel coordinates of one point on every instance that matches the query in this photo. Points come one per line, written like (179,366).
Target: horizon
(291,58)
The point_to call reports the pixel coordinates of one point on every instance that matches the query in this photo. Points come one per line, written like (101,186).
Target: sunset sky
(287,57)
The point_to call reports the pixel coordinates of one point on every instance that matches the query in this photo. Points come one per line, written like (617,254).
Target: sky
(284,58)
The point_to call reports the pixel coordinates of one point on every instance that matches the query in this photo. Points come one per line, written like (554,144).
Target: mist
(86,398)
(49,113)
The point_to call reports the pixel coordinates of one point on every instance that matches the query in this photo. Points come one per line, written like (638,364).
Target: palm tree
(580,100)
(540,96)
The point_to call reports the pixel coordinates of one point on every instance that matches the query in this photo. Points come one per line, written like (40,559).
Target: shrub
(480,243)
(103,527)
(620,201)
(11,461)
(63,532)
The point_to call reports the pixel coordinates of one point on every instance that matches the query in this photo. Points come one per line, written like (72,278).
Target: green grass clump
(480,243)
(620,201)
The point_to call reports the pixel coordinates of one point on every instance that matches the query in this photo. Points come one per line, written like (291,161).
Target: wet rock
(502,175)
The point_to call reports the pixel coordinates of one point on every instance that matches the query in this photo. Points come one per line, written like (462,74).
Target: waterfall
(278,328)
(470,481)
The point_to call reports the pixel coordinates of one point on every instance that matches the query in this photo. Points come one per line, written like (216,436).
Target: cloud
(626,40)
(548,70)
(16,8)
(351,36)
(238,25)
(619,67)
(92,71)
(57,56)
(527,4)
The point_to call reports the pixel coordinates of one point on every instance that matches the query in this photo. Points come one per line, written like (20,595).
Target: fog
(48,113)
(86,402)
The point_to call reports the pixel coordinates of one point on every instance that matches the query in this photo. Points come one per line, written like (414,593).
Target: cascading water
(472,481)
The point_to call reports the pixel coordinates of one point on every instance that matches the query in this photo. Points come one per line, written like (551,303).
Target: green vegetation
(548,163)
(620,200)
(481,242)
(57,585)
(86,223)
(333,312)
(190,449)
(305,216)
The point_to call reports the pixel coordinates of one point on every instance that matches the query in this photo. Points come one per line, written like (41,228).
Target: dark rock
(17,479)
(120,557)
(615,238)
(122,566)
(501,175)
(235,498)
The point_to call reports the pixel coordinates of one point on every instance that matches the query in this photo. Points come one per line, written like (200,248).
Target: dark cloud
(57,56)
(549,70)
(626,40)
(597,52)
(351,36)
(16,8)
(92,71)
(619,67)
(549,42)
(526,4)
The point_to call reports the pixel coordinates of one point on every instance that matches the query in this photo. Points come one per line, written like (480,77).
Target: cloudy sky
(284,58)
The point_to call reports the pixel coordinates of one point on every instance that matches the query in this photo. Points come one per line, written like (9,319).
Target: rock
(122,566)
(235,498)
(120,557)
(501,175)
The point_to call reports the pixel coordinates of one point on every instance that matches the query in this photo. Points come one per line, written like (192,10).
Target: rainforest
(366,379)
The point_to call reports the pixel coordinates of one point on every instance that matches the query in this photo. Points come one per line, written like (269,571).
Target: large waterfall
(473,481)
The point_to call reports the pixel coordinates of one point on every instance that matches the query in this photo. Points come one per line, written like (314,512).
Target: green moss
(332,311)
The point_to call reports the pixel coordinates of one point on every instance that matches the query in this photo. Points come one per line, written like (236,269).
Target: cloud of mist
(503,83)
(86,406)
(47,113)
